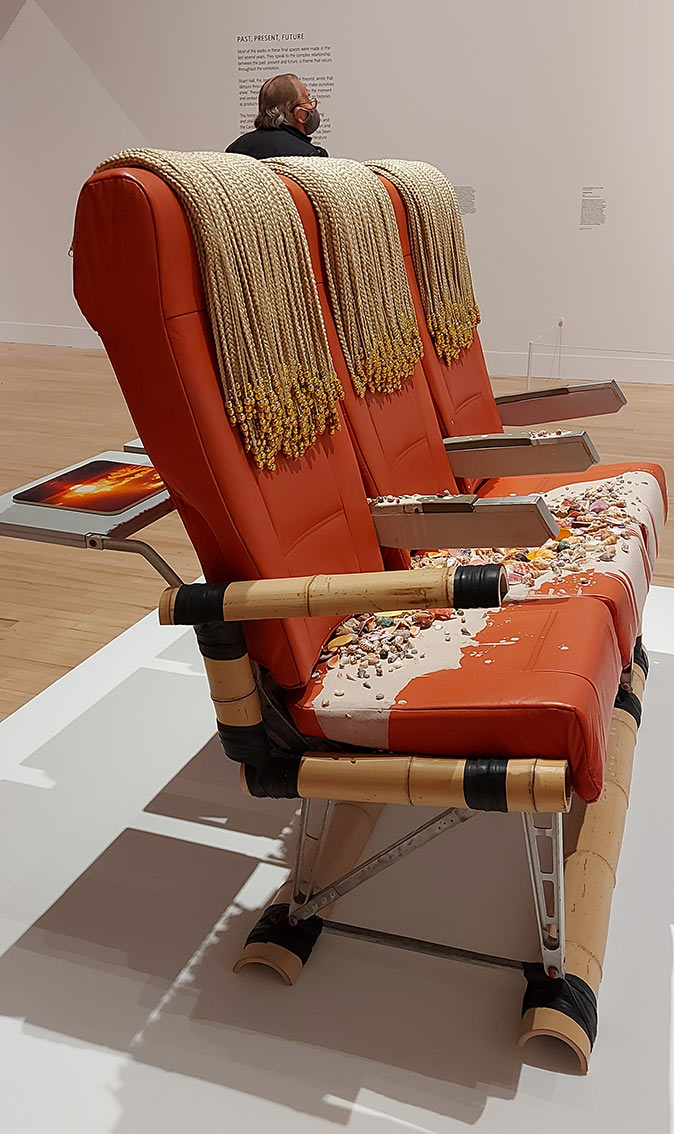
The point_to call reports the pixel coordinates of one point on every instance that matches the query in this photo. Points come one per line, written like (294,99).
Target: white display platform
(132,870)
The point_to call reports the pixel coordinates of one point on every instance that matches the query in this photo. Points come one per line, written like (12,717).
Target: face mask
(312,121)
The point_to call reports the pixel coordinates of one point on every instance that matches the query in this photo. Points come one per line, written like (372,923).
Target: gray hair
(276,101)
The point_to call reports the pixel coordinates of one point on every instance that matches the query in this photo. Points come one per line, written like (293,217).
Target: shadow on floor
(136,956)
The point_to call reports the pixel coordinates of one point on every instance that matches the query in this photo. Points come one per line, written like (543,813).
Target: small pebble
(325,703)
(339,692)
(380,696)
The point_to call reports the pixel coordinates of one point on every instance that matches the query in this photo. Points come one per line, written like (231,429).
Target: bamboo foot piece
(278,945)
(285,948)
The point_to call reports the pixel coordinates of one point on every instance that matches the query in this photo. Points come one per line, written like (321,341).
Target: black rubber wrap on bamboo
(200,603)
(570,995)
(268,773)
(629,703)
(274,928)
(484,783)
(641,657)
(482,585)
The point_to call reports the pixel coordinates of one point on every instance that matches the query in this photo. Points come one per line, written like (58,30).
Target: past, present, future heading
(281,37)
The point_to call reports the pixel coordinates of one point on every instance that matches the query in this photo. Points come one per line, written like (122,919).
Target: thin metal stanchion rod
(448,819)
(297,895)
(303,887)
(417,945)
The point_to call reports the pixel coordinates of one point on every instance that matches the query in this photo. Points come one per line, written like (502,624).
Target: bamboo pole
(343,845)
(233,691)
(639,668)
(317,595)
(589,880)
(427,781)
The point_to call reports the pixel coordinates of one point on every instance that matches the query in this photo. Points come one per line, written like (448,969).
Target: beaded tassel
(280,387)
(438,252)
(365,269)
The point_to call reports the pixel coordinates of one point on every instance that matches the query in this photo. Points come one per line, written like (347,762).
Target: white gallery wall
(530,104)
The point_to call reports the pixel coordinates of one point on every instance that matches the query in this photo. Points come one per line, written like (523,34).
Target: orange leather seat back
(462,396)
(137,282)
(396,436)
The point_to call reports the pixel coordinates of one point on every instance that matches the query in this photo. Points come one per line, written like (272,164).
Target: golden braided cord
(279,383)
(365,269)
(438,252)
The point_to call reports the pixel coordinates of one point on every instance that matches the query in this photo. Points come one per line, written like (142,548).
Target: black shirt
(281,141)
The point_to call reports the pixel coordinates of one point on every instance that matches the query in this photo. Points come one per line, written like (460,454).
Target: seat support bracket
(544,843)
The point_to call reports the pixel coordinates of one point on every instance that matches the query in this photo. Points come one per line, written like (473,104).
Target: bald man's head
(285,101)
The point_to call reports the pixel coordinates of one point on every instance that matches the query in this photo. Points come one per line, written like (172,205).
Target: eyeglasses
(311,103)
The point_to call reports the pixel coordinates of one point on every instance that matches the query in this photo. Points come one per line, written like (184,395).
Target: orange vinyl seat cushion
(646,481)
(532,680)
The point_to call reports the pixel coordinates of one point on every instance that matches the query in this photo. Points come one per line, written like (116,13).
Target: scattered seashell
(339,641)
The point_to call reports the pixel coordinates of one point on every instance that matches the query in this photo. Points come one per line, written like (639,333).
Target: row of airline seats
(535,680)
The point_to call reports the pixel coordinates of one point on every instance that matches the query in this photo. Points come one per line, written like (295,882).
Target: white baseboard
(649,368)
(48,334)
(598,367)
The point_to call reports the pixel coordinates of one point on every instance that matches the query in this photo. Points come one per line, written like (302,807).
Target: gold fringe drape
(438,252)
(279,383)
(371,301)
